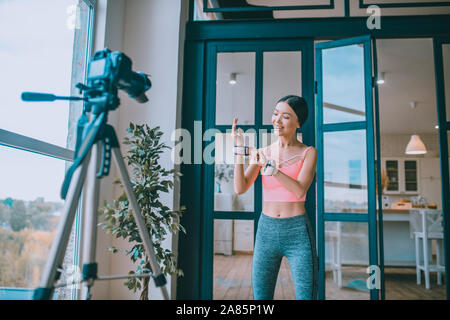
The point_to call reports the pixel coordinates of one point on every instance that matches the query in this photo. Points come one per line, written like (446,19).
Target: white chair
(428,226)
(334,235)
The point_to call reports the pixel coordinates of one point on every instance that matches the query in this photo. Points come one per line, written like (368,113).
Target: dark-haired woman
(287,168)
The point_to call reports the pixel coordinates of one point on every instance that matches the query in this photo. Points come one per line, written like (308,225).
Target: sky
(36,44)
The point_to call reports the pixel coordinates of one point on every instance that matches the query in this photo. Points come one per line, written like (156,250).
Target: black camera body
(107,72)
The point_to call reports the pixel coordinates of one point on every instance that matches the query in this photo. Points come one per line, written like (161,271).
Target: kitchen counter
(384,210)
(388,214)
(398,237)
(395,211)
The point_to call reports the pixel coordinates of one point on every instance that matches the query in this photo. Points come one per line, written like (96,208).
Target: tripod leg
(158,277)
(92,186)
(59,244)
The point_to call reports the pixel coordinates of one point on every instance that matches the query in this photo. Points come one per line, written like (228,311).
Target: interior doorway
(410,183)
(244,80)
(410,162)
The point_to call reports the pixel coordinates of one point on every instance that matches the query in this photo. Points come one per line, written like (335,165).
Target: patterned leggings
(290,237)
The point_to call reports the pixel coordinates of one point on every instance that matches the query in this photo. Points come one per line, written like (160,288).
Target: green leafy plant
(148,180)
(223,172)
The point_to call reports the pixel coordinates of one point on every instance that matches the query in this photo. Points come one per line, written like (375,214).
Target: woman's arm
(300,186)
(243,181)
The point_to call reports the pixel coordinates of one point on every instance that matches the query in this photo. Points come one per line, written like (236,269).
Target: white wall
(108,32)
(394,145)
(151,33)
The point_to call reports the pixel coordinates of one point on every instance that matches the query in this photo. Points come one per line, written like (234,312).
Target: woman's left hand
(270,167)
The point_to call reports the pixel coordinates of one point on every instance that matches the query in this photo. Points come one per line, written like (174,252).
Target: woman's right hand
(258,157)
(238,137)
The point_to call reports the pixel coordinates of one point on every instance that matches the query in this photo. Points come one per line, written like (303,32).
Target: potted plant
(148,179)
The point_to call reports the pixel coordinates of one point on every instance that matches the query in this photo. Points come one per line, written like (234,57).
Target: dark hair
(299,105)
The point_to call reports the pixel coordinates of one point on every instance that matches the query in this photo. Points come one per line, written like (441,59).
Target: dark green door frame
(444,127)
(198,34)
(368,125)
(319,28)
(259,47)
(189,243)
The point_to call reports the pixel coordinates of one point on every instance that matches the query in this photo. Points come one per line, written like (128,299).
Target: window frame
(28,144)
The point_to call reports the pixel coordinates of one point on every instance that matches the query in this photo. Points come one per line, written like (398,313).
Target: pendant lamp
(415,144)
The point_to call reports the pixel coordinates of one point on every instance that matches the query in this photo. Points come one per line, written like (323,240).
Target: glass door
(347,226)
(244,79)
(442,72)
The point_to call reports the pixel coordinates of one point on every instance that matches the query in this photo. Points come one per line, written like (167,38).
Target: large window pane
(233,248)
(343,84)
(43,49)
(30,209)
(345,168)
(36,54)
(225,199)
(235,89)
(346,260)
(233,254)
(282,75)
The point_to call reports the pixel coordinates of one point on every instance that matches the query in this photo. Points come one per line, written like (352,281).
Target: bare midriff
(283,209)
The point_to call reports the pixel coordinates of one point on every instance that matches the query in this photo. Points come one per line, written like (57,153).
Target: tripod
(97,136)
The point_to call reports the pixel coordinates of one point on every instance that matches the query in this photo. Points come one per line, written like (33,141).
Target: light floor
(232,282)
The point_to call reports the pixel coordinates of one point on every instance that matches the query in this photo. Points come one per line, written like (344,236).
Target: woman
(287,168)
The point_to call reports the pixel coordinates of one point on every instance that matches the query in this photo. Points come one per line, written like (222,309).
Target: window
(44,48)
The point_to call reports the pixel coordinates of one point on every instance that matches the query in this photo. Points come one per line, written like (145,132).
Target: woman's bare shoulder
(311,148)
(311,152)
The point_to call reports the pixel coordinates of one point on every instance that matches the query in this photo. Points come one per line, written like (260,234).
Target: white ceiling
(409,76)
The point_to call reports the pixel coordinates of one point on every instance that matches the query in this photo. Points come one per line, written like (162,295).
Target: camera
(107,72)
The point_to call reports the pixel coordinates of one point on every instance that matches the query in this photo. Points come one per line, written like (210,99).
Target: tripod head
(107,72)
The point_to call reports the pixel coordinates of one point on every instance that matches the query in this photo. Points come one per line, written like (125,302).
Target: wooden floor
(232,281)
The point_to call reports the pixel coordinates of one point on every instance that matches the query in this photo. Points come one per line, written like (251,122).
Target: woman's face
(284,120)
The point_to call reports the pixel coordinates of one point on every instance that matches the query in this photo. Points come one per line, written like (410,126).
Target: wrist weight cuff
(241,150)
(270,168)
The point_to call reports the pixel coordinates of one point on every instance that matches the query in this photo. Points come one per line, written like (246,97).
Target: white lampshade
(233,80)
(415,146)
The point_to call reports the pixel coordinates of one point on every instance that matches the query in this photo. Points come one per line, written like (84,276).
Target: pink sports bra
(275,191)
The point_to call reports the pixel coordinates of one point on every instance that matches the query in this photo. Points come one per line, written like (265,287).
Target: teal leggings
(290,237)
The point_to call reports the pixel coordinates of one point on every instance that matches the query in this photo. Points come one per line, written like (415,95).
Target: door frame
(369,125)
(444,127)
(198,35)
(307,74)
